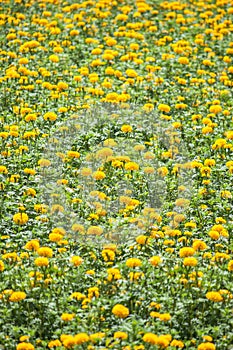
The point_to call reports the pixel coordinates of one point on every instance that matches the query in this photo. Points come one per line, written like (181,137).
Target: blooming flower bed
(116,174)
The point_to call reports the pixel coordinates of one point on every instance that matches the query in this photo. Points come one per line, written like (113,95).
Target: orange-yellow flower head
(120,311)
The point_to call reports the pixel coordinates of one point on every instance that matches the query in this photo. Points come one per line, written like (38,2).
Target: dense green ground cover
(116,175)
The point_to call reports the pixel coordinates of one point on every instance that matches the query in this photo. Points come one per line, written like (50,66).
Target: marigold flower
(214,296)
(73,154)
(98,175)
(51,116)
(199,245)
(206,346)
(96,336)
(54,344)
(95,230)
(76,260)
(44,162)
(131,166)
(108,255)
(67,317)
(186,251)
(2,267)
(190,262)
(155,260)
(150,338)
(41,262)
(20,218)
(3,169)
(32,245)
(17,296)
(177,343)
(183,60)
(104,153)
(120,335)
(214,234)
(230,266)
(68,341)
(126,128)
(162,171)
(54,58)
(81,338)
(45,251)
(215,109)
(142,239)
(55,237)
(164,108)
(25,346)
(148,107)
(120,311)
(133,262)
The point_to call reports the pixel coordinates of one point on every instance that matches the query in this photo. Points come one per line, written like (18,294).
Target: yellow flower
(162,171)
(77,296)
(183,60)
(76,260)
(199,245)
(73,154)
(3,169)
(24,338)
(62,86)
(96,336)
(215,109)
(206,346)
(164,108)
(54,58)
(55,237)
(120,335)
(25,346)
(2,267)
(62,109)
(142,239)
(133,262)
(74,32)
(150,338)
(214,234)
(104,153)
(230,266)
(81,338)
(67,317)
(165,317)
(98,175)
(148,107)
(51,116)
(20,218)
(44,162)
(95,230)
(126,128)
(17,296)
(177,344)
(186,251)
(32,245)
(214,296)
(93,292)
(85,171)
(54,344)
(45,251)
(41,262)
(190,262)
(108,255)
(68,341)
(155,260)
(131,166)
(120,311)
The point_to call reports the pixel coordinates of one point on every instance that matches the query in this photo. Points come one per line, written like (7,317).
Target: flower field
(116,143)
